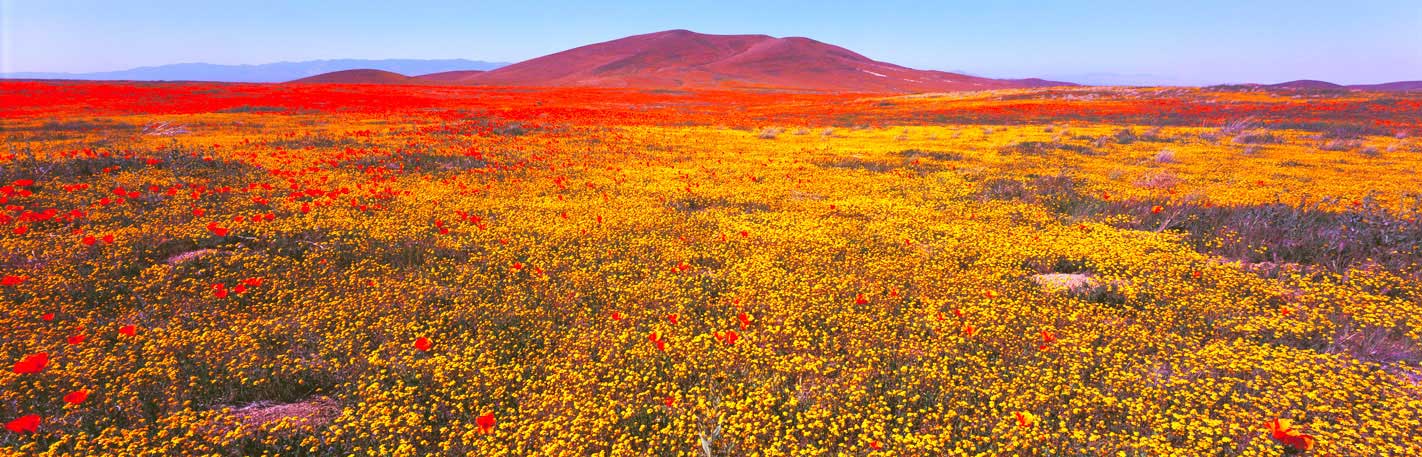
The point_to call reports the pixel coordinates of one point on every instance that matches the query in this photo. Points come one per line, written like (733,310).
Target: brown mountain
(685,59)
(448,76)
(359,77)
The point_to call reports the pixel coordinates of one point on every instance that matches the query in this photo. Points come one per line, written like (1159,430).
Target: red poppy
(1156,209)
(729,337)
(12,280)
(216,229)
(1047,339)
(1282,430)
(860,300)
(75,339)
(48,317)
(669,401)
(21,229)
(744,234)
(745,320)
(33,363)
(108,239)
(219,290)
(128,330)
(485,423)
(673,318)
(76,397)
(616,316)
(1025,419)
(423,344)
(518,266)
(24,424)
(89,240)
(252,282)
(876,445)
(969,330)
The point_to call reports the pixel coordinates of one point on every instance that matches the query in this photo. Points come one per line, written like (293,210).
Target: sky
(1181,42)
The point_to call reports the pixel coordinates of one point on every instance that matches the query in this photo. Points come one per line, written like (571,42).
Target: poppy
(76,397)
(860,300)
(1025,419)
(216,229)
(219,290)
(876,445)
(75,339)
(745,320)
(423,344)
(48,317)
(673,318)
(1047,339)
(128,330)
(669,401)
(252,282)
(1282,430)
(33,363)
(616,316)
(89,240)
(1156,209)
(485,423)
(969,330)
(24,424)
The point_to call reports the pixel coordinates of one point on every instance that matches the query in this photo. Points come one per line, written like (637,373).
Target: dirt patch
(315,412)
(183,257)
(1069,282)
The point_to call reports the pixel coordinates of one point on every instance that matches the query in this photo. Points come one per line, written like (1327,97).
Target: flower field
(229,269)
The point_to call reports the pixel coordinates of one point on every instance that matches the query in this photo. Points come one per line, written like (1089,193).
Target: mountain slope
(1395,86)
(685,59)
(359,76)
(448,76)
(271,72)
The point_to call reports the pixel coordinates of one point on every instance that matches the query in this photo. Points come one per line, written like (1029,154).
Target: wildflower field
(229,269)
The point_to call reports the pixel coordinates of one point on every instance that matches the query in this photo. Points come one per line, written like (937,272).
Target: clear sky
(1185,41)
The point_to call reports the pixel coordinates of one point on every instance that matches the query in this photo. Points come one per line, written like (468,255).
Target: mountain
(272,72)
(361,76)
(1306,84)
(685,59)
(448,76)
(1310,84)
(1395,86)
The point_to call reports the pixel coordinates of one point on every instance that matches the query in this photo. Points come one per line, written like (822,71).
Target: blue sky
(1186,42)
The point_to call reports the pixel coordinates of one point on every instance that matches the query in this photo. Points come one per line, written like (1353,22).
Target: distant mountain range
(265,73)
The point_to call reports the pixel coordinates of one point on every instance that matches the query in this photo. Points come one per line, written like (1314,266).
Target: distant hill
(361,76)
(685,59)
(1306,84)
(448,76)
(1396,86)
(272,72)
(1310,84)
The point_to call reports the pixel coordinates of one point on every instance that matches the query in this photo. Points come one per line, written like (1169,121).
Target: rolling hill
(685,59)
(362,76)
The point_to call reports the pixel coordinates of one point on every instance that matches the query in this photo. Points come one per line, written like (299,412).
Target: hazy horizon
(1197,44)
